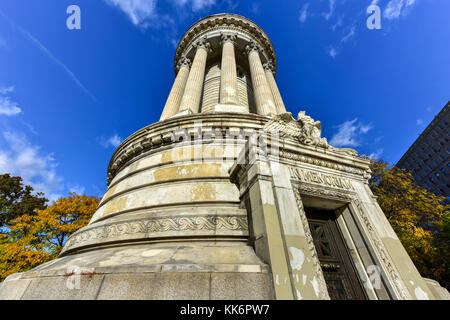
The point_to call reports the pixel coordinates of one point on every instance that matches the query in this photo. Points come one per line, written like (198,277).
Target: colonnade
(185,95)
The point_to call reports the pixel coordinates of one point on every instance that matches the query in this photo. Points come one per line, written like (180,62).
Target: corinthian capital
(252,46)
(268,66)
(184,62)
(227,37)
(203,43)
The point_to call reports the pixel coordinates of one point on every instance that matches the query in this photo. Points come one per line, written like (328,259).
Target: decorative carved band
(157,225)
(323,291)
(383,255)
(327,180)
(322,163)
(324,192)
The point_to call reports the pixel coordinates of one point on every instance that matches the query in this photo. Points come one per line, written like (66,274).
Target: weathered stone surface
(211,203)
(156,286)
(13,289)
(56,288)
(439,292)
(241,286)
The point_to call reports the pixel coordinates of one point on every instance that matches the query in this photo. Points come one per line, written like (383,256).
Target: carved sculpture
(311,131)
(305,130)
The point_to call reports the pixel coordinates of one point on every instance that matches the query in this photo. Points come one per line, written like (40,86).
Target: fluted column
(279,104)
(193,91)
(176,93)
(228,76)
(263,95)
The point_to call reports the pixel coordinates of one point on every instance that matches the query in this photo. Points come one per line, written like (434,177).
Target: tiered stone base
(151,272)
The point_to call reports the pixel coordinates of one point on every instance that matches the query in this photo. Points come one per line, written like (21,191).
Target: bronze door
(340,276)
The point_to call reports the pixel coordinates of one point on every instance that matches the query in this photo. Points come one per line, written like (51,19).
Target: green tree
(17,199)
(419,217)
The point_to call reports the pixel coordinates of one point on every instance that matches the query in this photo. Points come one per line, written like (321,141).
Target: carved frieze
(155,226)
(323,291)
(327,180)
(381,252)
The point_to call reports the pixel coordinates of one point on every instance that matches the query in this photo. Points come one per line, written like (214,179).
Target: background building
(428,159)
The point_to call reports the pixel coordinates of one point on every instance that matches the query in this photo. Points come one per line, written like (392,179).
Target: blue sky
(68,97)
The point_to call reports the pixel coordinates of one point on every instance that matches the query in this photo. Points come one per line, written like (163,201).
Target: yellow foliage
(35,239)
(419,217)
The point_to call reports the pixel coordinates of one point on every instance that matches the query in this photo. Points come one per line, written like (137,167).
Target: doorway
(338,270)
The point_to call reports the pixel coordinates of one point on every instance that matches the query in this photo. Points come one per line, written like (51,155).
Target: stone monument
(230,197)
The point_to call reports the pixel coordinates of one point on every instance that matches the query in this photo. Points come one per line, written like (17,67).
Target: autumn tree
(64,217)
(17,199)
(420,219)
(37,238)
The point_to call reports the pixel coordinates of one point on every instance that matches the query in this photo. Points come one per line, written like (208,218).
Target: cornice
(229,23)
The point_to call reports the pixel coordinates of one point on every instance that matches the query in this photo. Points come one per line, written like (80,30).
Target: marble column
(190,102)
(228,76)
(263,95)
(279,104)
(176,93)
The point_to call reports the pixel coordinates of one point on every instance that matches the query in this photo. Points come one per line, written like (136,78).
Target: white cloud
(349,133)
(139,11)
(80,190)
(6,90)
(7,106)
(337,24)
(330,13)
(304,13)
(396,8)
(364,128)
(196,5)
(351,33)
(333,52)
(377,154)
(144,13)
(113,141)
(20,158)
(419,122)
(254,8)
